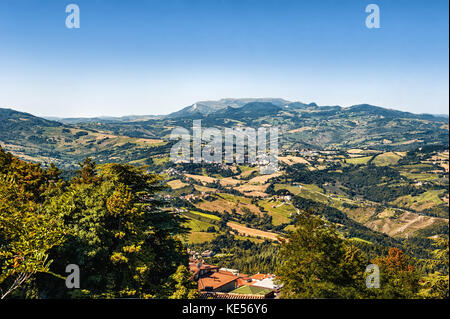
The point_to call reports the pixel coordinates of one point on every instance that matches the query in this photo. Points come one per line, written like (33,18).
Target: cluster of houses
(172,171)
(192,197)
(223,283)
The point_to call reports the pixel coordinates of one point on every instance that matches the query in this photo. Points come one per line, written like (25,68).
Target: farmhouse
(199,270)
(224,283)
(218,282)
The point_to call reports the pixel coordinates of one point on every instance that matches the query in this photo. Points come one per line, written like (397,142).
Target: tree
(108,220)
(123,240)
(87,172)
(316,263)
(436,285)
(399,278)
(184,286)
(27,232)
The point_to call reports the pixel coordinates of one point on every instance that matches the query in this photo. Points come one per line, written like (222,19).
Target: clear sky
(155,57)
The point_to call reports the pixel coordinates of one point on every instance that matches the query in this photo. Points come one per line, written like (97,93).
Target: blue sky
(154,57)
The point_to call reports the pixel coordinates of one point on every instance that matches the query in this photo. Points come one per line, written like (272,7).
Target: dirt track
(252,232)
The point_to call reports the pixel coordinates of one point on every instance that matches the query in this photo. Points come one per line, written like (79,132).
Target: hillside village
(215,282)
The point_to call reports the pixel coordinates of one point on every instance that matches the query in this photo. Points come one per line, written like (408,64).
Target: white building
(269,282)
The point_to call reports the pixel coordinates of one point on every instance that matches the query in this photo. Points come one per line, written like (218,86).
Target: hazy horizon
(156,57)
(199,101)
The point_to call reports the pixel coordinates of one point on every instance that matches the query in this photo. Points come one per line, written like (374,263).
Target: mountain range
(301,126)
(204,108)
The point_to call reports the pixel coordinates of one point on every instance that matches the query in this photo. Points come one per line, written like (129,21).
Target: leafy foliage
(108,220)
(123,242)
(27,231)
(316,263)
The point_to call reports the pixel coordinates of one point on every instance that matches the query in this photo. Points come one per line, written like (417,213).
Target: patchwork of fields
(416,194)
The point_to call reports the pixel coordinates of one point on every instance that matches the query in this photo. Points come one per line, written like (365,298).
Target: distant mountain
(300,105)
(41,140)
(440,115)
(10,117)
(389,113)
(226,106)
(102,119)
(301,125)
(323,127)
(217,108)
(15,124)
(249,110)
(208,107)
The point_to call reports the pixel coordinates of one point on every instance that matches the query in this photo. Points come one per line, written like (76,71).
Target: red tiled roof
(244,281)
(215,280)
(260,276)
(227,273)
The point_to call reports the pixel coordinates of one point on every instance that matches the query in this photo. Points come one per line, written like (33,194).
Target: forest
(107,219)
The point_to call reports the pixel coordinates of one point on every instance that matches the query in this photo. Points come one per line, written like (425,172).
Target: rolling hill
(133,138)
(381,175)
